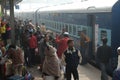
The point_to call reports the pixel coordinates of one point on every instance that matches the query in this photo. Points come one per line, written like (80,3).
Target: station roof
(15,1)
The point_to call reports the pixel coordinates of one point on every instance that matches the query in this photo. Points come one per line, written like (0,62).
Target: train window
(70,29)
(66,27)
(63,26)
(53,24)
(60,25)
(46,22)
(78,30)
(39,15)
(49,23)
(103,34)
(74,30)
(84,29)
(57,25)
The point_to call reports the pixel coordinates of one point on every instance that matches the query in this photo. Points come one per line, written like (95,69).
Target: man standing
(104,54)
(32,47)
(71,57)
(84,46)
(25,45)
(42,45)
(61,47)
(62,44)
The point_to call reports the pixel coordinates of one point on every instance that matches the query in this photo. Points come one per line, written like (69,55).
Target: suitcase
(16,78)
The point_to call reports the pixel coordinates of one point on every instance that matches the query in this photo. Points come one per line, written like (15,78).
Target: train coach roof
(82,7)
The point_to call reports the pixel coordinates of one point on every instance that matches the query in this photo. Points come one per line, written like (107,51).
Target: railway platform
(86,72)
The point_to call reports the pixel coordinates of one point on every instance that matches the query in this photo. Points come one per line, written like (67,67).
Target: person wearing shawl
(51,65)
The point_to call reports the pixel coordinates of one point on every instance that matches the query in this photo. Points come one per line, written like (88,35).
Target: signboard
(96,28)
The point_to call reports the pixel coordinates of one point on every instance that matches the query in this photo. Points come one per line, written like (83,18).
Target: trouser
(32,56)
(26,52)
(103,71)
(72,70)
(42,58)
(62,67)
(84,54)
(83,50)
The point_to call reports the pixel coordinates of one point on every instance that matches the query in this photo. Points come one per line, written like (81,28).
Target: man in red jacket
(32,47)
(62,44)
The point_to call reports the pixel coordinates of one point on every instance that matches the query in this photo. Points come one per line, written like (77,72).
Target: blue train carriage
(81,16)
(115,31)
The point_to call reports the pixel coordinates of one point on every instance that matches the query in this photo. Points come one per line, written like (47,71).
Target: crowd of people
(35,45)
(54,53)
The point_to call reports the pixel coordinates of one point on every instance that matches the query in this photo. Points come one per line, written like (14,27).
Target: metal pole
(36,15)
(11,2)
(2,6)
(5,8)
(36,20)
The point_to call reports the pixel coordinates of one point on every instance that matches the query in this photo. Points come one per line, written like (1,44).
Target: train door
(91,20)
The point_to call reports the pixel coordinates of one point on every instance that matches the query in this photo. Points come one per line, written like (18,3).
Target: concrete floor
(86,72)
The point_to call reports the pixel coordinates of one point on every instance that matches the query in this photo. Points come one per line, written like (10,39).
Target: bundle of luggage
(17,77)
(25,75)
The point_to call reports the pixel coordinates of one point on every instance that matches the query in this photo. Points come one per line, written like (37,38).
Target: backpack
(3,29)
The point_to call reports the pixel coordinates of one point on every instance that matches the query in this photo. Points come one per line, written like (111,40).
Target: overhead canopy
(15,1)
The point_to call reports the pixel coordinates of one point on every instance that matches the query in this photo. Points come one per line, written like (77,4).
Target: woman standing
(51,67)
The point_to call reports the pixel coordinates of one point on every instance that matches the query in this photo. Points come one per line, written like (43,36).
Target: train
(97,18)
